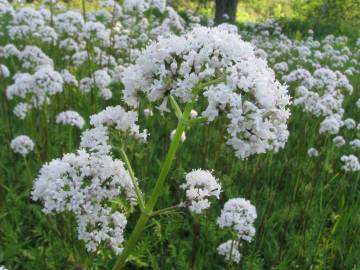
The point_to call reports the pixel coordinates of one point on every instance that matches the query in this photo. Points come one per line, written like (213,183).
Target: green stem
(230,265)
(28,171)
(166,210)
(139,196)
(70,138)
(46,131)
(144,217)
(147,213)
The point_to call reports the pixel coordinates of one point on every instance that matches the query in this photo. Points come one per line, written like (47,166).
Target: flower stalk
(147,213)
(139,196)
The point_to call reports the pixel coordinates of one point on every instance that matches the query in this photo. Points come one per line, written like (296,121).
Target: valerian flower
(249,95)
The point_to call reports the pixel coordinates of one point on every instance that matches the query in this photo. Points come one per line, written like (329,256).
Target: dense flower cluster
(317,70)
(70,118)
(4,71)
(120,119)
(239,214)
(200,186)
(339,141)
(230,250)
(34,89)
(96,140)
(351,163)
(250,97)
(312,152)
(22,145)
(84,184)
(81,41)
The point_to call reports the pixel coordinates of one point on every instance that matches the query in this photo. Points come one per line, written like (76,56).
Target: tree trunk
(225,11)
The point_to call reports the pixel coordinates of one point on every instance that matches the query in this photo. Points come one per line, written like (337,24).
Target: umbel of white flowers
(84,183)
(249,95)
(199,186)
(239,216)
(70,118)
(230,250)
(81,184)
(22,145)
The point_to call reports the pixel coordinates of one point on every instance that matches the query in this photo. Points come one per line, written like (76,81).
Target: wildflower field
(135,136)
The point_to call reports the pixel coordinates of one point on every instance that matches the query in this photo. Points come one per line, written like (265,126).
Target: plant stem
(196,235)
(70,138)
(46,131)
(144,217)
(230,265)
(166,210)
(147,213)
(28,171)
(139,196)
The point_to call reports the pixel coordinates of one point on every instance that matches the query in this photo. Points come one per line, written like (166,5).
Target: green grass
(308,209)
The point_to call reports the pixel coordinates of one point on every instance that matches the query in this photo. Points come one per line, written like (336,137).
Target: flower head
(85,184)
(22,145)
(239,214)
(200,186)
(70,118)
(249,95)
(230,250)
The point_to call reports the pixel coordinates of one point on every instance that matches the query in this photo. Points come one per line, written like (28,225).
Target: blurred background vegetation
(297,16)
(338,17)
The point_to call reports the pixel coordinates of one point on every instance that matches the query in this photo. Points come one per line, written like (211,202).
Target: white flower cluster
(318,70)
(358,103)
(6,9)
(320,93)
(312,152)
(200,186)
(250,97)
(238,215)
(33,57)
(96,140)
(85,184)
(1,266)
(81,42)
(70,118)
(230,250)
(69,78)
(143,5)
(120,119)
(34,89)
(4,71)
(355,144)
(101,80)
(339,141)
(30,23)
(351,163)
(22,145)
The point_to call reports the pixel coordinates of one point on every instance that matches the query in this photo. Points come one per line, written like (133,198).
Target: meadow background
(308,207)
